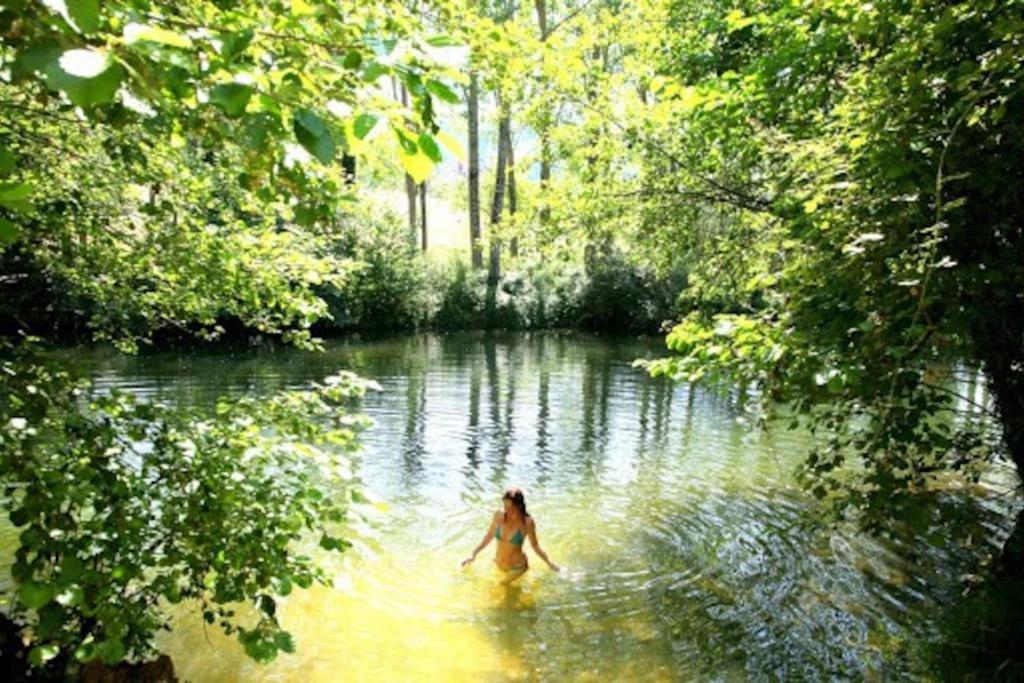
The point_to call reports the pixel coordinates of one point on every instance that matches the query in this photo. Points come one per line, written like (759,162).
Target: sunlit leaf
(451,144)
(418,165)
(41,654)
(442,91)
(134,33)
(87,77)
(364,123)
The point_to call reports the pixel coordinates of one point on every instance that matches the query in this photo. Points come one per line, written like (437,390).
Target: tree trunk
(410,186)
(473,113)
(513,247)
(423,213)
(1004,360)
(494,269)
(545,145)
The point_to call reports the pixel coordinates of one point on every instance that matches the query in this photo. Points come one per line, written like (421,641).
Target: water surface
(688,549)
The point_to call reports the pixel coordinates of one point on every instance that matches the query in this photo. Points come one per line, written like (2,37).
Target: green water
(686,544)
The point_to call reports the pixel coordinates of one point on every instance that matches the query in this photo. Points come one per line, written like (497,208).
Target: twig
(266,34)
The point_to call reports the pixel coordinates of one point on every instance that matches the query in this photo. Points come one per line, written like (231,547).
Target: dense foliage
(124,506)
(871,146)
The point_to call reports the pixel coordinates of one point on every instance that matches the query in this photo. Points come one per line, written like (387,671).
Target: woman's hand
(554,567)
(468,560)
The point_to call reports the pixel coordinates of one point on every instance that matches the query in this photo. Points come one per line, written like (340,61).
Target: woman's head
(514,498)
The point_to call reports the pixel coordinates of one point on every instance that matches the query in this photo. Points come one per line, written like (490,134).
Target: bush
(392,285)
(388,286)
(618,295)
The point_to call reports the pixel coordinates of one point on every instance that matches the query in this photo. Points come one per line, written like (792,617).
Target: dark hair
(516,496)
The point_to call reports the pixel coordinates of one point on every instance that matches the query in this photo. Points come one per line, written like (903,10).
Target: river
(688,549)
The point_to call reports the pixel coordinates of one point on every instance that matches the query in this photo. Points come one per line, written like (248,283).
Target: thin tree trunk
(494,269)
(513,247)
(410,186)
(473,113)
(545,144)
(423,213)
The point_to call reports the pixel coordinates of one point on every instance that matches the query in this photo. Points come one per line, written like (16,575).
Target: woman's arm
(531,531)
(486,539)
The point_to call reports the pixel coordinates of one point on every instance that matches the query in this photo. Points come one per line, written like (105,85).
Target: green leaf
(312,133)
(36,59)
(306,215)
(18,516)
(7,161)
(136,33)
(10,192)
(382,46)
(417,165)
(429,147)
(373,71)
(284,642)
(282,585)
(41,654)
(9,235)
(232,98)
(442,91)
(71,596)
(353,60)
(111,651)
(266,604)
(363,125)
(85,652)
(87,77)
(234,43)
(35,594)
(71,567)
(452,145)
(52,618)
(407,142)
(85,14)
(442,41)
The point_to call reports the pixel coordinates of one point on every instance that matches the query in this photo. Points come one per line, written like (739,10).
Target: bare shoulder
(530,524)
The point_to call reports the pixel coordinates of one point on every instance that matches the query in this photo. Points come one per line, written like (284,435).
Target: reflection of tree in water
(594,439)
(415,427)
(542,456)
(473,429)
(501,426)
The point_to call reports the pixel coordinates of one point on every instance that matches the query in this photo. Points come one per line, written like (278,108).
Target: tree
(174,167)
(859,159)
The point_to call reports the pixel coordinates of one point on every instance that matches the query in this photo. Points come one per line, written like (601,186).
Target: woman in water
(511,528)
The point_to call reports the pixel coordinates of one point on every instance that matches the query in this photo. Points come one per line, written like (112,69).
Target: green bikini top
(517,537)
